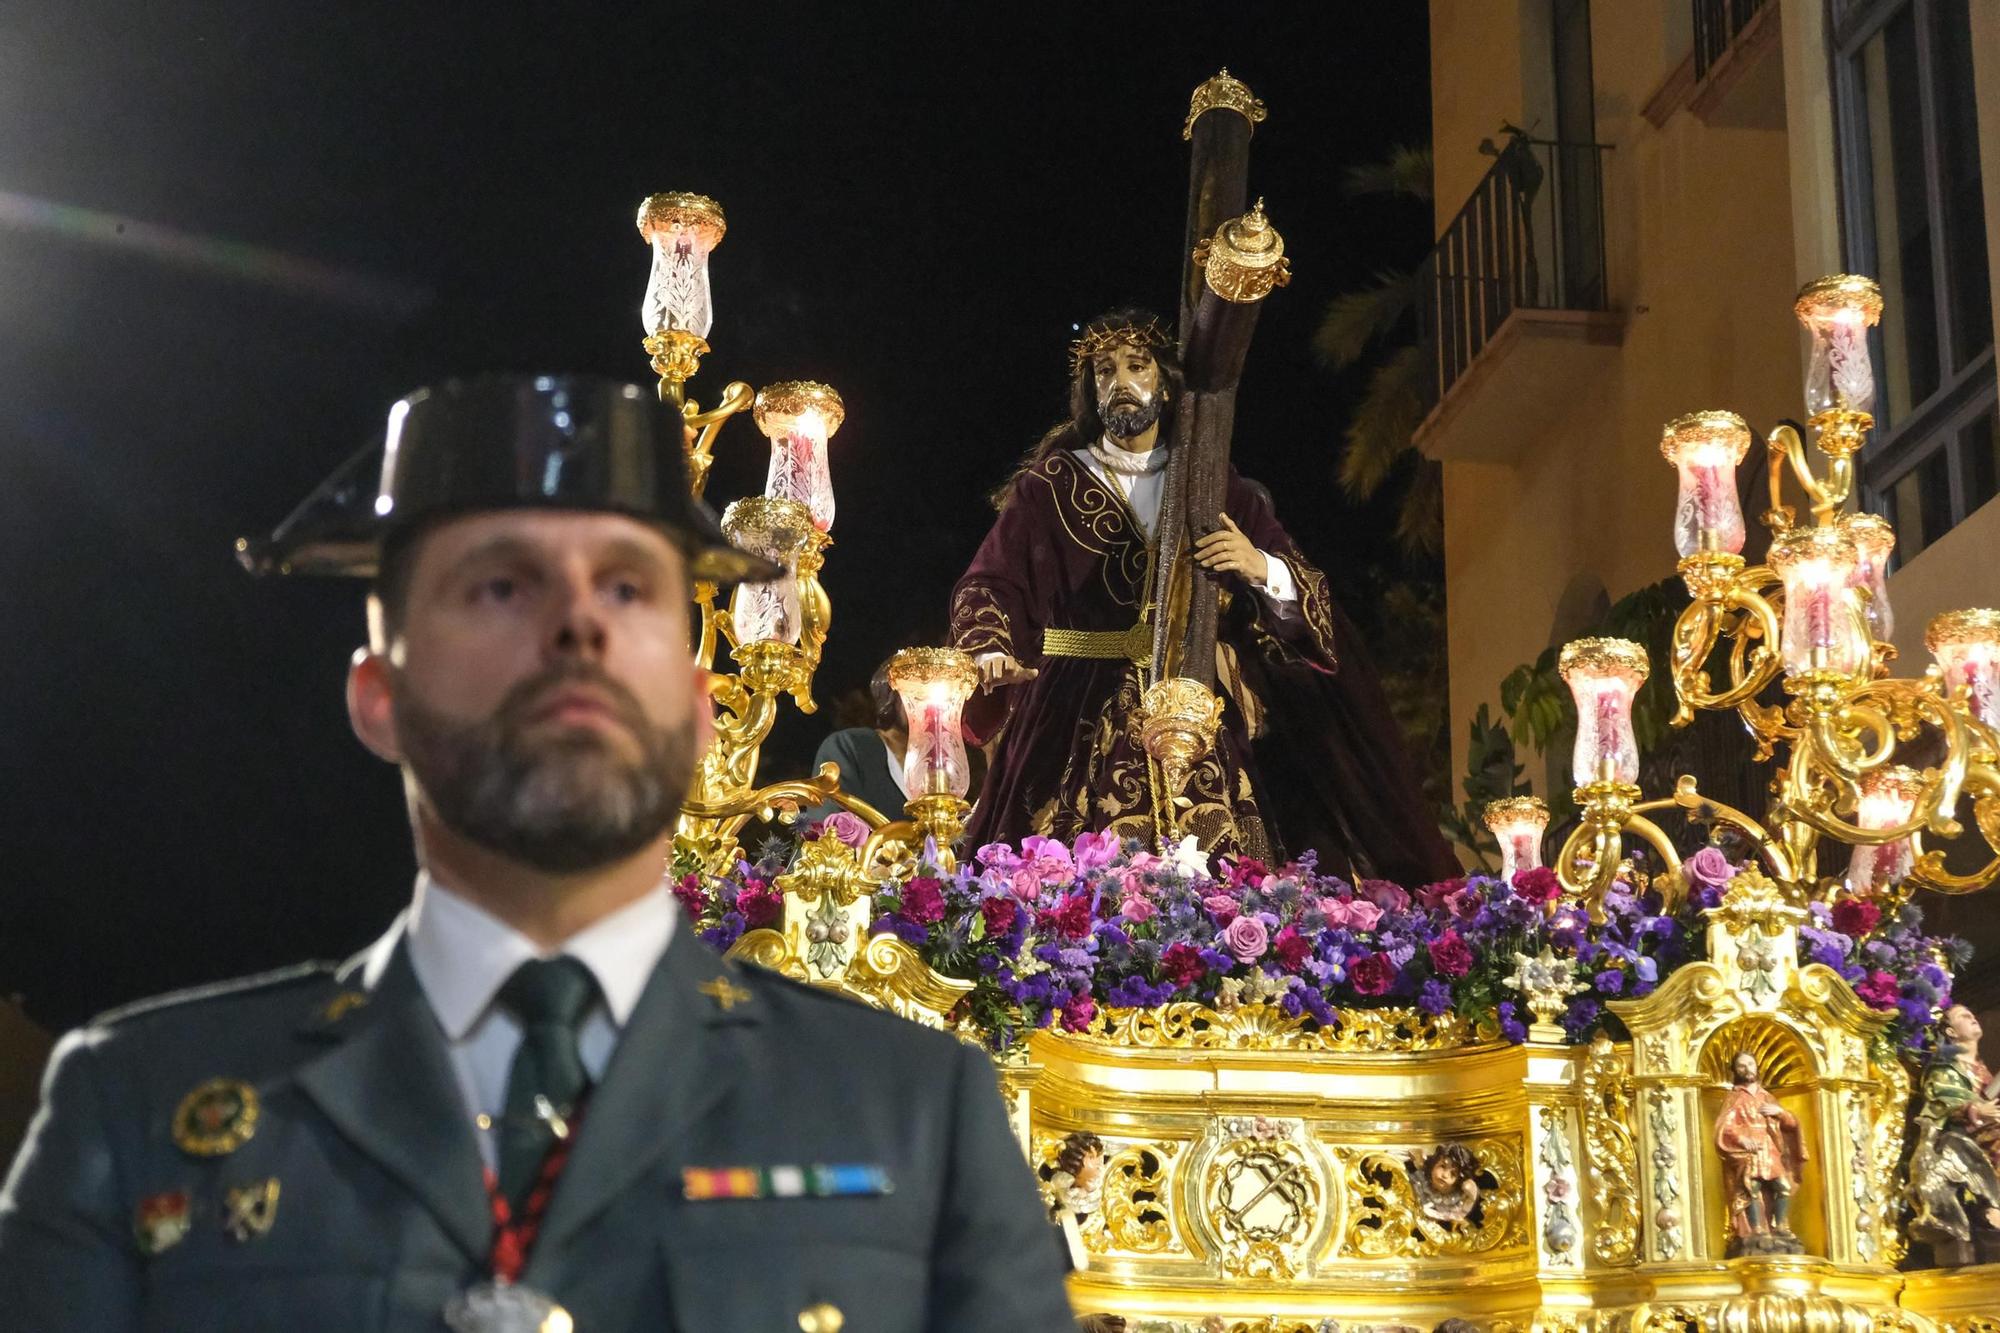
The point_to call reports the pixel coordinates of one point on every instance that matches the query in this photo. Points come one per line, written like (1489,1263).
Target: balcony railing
(1717,23)
(1531,237)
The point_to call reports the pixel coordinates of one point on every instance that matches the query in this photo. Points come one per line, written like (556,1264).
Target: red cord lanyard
(514,1236)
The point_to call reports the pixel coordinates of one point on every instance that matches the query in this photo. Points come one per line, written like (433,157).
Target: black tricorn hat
(505,442)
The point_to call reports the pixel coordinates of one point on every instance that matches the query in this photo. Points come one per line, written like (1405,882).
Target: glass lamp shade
(682,229)
(1838,311)
(799,417)
(1874,540)
(777,530)
(1603,676)
(1821,631)
(1706,447)
(933,685)
(1517,823)
(1888,797)
(1966,645)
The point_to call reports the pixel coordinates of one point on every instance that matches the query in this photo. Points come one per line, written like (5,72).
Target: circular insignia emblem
(217,1118)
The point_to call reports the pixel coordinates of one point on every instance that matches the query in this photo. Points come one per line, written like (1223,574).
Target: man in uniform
(538,1102)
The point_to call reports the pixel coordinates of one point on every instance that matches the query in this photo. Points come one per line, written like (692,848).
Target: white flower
(1187,858)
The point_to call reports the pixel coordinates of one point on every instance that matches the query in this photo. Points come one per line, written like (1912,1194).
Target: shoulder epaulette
(281,978)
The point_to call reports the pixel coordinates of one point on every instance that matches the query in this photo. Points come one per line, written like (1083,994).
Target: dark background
(920,207)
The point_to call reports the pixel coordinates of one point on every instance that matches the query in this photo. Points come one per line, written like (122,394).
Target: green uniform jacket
(382,1213)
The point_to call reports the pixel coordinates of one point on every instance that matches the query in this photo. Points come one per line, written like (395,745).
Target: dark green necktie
(548,1079)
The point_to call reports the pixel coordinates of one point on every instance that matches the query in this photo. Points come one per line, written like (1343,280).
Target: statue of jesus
(1057,612)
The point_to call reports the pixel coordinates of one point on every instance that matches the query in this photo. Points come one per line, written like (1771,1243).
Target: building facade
(1629,195)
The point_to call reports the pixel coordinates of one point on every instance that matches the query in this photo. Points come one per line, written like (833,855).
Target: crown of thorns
(1148,335)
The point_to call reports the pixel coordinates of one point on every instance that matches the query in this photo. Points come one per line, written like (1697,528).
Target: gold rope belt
(1132,645)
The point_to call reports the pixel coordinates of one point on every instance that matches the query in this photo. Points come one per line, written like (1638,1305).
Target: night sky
(920,206)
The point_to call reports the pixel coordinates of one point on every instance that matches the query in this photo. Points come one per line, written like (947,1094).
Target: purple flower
(1610,982)
(1511,1026)
(1435,998)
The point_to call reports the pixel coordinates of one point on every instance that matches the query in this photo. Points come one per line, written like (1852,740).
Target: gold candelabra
(1850,739)
(773,632)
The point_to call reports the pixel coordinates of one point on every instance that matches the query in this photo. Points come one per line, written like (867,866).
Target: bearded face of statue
(1129,393)
(1745,1068)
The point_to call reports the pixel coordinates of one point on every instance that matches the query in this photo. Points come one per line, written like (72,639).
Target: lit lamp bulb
(1706,447)
(1838,311)
(1874,540)
(1517,823)
(1888,798)
(799,417)
(682,229)
(933,685)
(1604,675)
(1821,630)
(778,530)
(1966,645)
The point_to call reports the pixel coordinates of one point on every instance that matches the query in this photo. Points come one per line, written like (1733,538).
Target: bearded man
(538,1102)
(1057,612)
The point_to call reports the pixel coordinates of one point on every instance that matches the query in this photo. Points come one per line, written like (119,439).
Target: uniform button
(821,1318)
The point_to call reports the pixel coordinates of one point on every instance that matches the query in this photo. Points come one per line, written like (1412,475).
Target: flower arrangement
(1050,933)
(1891,963)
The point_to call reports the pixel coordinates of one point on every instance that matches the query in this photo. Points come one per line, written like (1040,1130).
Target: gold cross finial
(725,993)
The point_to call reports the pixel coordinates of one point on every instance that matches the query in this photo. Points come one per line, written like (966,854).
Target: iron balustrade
(1717,23)
(1531,237)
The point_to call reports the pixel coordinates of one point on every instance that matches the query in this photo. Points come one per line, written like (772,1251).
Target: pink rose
(1137,908)
(1709,868)
(1435,897)
(1222,907)
(1385,895)
(1246,939)
(1363,915)
(1025,884)
(1334,910)
(847,826)
(1462,903)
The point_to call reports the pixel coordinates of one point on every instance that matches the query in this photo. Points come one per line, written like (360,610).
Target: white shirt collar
(463,954)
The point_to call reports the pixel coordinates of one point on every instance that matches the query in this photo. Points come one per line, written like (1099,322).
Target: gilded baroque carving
(1385,1221)
(1264,1027)
(1661,1123)
(1263,1199)
(1558,1188)
(1136,1217)
(1613,1156)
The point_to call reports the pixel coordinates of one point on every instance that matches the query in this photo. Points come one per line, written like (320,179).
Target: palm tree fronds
(1383,422)
(1354,320)
(1420,517)
(1406,171)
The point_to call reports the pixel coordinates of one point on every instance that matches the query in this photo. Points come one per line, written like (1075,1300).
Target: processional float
(1243,1165)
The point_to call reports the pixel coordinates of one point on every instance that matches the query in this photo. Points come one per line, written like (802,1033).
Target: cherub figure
(1447,1184)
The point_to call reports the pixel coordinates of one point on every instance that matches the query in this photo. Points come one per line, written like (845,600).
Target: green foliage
(1406,171)
(1541,714)
(1356,321)
(1491,772)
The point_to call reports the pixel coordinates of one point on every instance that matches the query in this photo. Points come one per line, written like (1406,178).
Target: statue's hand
(1228,550)
(1001,670)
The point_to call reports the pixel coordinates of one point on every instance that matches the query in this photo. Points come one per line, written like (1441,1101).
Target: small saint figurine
(1447,1184)
(1763,1157)
(1954,1190)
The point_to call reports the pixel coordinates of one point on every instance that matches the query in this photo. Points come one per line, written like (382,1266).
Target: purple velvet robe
(1067,553)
